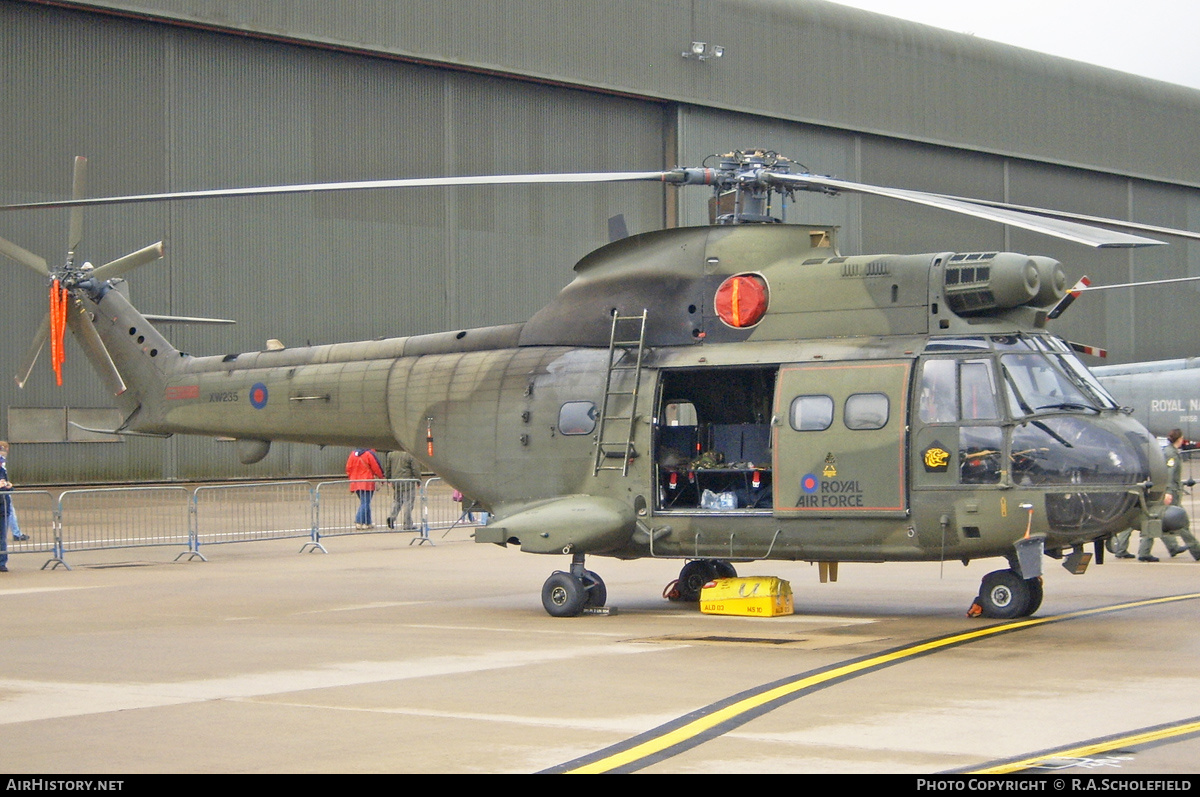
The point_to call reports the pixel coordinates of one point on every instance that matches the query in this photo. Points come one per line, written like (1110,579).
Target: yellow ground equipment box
(757,596)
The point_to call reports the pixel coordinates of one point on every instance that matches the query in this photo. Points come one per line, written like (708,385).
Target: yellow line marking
(732,711)
(1093,748)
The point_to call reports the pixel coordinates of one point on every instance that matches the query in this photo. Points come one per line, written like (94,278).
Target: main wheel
(725,568)
(1004,595)
(1035,595)
(693,577)
(563,595)
(597,593)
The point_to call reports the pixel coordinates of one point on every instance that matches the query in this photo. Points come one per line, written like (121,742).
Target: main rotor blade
(35,348)
(130,261)
(1083,217)
(1059,228)
(1138,284)
(184,319)
(24,257)
(75,230)
(414,182)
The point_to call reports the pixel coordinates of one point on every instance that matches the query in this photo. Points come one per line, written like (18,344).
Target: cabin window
(577,417)
(811,413)
(866,411)
(679,413)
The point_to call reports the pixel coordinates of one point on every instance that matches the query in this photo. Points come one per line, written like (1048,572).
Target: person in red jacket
(362,469)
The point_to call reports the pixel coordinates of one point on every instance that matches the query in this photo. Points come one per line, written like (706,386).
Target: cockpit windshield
(1040,374)
(1042,382)
(1063,355)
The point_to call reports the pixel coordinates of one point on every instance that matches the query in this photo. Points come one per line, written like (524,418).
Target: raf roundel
(741,301)
(258,396)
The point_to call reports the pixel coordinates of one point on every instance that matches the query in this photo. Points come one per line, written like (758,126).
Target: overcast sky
(1154,38)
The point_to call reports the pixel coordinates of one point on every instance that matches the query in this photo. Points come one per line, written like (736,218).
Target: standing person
(402,466)
(11,514)
(1174,495)
(5,503)
(362,469)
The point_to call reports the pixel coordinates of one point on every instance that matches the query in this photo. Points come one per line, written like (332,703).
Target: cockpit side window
(977,393)
(937,400)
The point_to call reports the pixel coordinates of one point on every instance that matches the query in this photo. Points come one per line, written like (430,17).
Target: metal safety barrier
(250,512)
(336,507)
(439,510)
(36,522)
(122,517)
(130,517)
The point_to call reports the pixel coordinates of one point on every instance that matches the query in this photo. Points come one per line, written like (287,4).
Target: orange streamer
(58,327)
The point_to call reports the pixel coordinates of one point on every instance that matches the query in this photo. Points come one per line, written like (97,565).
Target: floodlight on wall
(703,51)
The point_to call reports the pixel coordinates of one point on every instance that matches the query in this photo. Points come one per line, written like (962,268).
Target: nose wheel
(566,594)
(1004,595)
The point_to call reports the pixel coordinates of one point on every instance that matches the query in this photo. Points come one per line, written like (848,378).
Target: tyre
(693,577)
(597,593)
(1035,595)
(1004,595)
(563,595)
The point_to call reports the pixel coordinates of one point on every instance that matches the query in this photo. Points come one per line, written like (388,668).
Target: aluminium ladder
(625,353)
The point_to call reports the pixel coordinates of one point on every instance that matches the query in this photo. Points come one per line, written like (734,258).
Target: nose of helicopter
(1092,471)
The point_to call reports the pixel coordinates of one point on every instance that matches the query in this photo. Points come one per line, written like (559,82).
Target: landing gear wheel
(693,577)
(1035,595)
(1004,595)
(725,569)
(563,595)
(597,593)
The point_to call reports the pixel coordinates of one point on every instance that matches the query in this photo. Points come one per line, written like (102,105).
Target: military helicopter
(717,394)
(1171,400)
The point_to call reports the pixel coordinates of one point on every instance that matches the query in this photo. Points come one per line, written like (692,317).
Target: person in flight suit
(1174,495)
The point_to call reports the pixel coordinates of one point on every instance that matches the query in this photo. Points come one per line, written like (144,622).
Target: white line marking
(28,700)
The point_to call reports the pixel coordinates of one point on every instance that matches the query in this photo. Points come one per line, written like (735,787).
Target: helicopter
(717,394)
(1170,401)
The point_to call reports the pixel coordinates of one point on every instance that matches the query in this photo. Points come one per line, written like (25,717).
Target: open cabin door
(840,439)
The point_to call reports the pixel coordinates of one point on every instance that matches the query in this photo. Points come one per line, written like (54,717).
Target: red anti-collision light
(741,301)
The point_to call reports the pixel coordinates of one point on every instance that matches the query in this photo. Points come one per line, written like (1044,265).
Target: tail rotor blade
(75,232)
(96,351)
(24,257)
(1071,296)
(130,261)
(35,348)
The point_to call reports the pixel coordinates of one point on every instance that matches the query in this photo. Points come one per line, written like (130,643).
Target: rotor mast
(743,186)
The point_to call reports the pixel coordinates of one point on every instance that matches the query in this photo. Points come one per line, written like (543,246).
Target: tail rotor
(64,281)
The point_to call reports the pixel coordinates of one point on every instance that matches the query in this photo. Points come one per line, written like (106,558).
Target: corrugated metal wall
(801,60)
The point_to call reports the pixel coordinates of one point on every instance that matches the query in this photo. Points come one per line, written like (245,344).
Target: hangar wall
(802,60)
(311,96)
